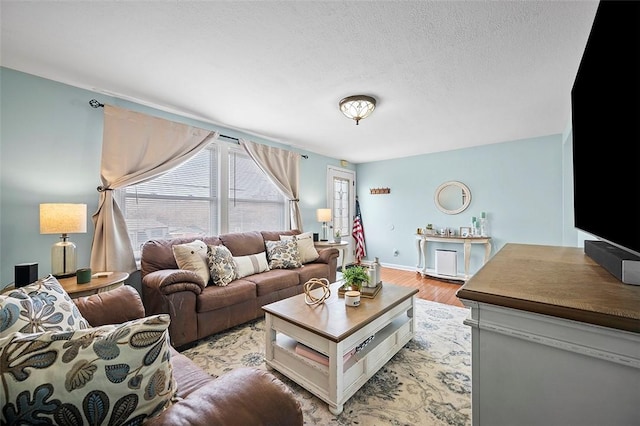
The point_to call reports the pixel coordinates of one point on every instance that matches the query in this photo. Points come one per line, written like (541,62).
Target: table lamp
(324,216)
(59,218)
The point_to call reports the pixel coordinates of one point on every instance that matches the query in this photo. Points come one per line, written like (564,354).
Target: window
(220,190)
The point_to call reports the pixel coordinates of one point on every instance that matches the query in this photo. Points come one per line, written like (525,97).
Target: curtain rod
(95,104)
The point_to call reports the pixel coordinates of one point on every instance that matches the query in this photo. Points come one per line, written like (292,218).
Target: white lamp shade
(60,218)
(323,215)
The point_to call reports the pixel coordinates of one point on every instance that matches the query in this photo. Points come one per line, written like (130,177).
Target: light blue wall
(50,148)
(50,144)
(519,184)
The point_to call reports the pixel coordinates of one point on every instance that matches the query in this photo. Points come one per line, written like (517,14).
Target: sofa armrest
(111,307)
(168,281)
(327,254)
(244,396)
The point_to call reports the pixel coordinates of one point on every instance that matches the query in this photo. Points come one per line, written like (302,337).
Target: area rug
(428,382)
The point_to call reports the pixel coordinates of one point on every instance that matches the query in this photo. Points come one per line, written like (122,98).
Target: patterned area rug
(428,382)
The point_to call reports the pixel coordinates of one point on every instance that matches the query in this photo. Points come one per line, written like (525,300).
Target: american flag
(358,235)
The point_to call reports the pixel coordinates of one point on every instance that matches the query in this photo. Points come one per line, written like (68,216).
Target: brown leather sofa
(244,396)
(198,310)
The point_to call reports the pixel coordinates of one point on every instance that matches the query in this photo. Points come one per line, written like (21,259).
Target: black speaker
(25,273)
(621,264)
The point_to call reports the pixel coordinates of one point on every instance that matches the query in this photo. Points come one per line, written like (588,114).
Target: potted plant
(354,277)
(337,236)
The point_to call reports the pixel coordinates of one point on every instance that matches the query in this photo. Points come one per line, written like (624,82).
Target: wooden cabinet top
(558,281)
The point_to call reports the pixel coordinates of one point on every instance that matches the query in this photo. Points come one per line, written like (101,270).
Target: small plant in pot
(354,277)
(337,236)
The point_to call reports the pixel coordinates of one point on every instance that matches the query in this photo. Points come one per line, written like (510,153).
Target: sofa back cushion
(158,254)
(275,235)
(243,243)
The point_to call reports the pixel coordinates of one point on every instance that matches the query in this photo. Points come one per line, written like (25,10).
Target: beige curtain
(283,168)
(135,148)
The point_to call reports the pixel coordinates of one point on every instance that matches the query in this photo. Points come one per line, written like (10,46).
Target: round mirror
(452,197)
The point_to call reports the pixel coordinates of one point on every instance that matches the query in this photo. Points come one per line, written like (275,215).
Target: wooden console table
(555,340)
(421,246)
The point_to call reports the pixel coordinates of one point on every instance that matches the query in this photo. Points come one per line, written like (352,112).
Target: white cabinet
(555,341)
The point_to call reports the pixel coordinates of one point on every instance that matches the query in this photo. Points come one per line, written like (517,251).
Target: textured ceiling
(446,74)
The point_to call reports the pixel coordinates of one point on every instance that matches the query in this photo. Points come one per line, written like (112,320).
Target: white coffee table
(334,329)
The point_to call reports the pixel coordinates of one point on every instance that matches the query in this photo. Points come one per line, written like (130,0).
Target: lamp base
(63,259)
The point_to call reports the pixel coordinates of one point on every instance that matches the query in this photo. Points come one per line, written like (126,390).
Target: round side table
(96,285)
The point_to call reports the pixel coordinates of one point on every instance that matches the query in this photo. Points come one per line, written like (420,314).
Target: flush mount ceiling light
(357,107)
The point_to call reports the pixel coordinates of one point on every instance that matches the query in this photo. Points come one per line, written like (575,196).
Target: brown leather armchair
(244,396)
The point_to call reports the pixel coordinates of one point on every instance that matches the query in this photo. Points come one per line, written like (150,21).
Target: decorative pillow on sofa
(111,374)
(41,306)
(306,249)
(221,265)
(193,257)
(252,264)
(283,254)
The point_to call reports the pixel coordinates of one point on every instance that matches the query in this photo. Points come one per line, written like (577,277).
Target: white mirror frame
(466,197)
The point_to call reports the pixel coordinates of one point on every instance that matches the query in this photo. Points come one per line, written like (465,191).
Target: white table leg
(467,255)
(423,249)
(487,251)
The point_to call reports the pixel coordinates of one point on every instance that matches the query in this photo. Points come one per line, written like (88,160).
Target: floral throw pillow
(306,249)
(221,265)
(114,374)
(41,306)
(283,254)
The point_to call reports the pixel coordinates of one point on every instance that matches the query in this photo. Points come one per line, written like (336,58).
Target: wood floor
(428,288)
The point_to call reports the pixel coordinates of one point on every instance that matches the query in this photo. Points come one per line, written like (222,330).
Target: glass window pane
(255,203)
(340,212)
(184,201)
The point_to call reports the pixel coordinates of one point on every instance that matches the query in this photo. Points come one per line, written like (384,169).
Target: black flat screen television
(605,106)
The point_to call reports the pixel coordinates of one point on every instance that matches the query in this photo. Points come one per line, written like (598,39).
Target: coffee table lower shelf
(391,332)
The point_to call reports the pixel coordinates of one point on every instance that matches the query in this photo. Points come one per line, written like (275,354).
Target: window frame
(218,192)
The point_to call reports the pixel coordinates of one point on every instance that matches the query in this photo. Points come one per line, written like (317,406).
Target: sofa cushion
(251,264)
(111,374)
(193,257)
(274,280)
(283,254)
(243,243)
(41,306)
(216,297)
(306,249)
(222,268)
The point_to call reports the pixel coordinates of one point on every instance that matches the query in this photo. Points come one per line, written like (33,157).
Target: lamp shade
(60,218)
(323,215)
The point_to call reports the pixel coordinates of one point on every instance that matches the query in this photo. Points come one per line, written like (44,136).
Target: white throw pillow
(252,264)
(193,257)
(306,249)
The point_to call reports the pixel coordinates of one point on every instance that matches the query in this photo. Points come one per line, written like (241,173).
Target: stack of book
(314,355)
